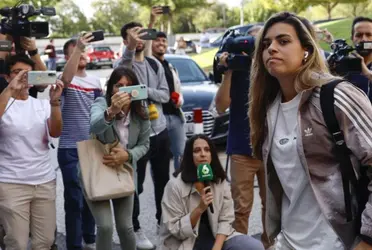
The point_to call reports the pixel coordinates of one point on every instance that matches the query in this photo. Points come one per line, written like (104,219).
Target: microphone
(205,175)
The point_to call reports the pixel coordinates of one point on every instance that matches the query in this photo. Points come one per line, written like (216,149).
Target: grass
(205,59)
(339,29)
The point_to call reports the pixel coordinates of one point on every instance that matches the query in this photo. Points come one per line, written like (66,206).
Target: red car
(100,55)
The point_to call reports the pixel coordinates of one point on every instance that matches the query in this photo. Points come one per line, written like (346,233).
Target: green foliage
(69,20)
(120,12)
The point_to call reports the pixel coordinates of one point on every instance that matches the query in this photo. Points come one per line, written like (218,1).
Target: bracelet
(55,103)
(109,116)
(33,52)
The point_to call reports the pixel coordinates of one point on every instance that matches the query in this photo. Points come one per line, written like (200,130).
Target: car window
(102,49)
(188,70)
(59,51)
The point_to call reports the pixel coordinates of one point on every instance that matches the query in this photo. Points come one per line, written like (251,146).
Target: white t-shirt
(24,151)
(303,225)
(122,126)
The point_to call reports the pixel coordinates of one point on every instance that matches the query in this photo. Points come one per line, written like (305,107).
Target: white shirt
(122,127)
(303,225)
(24,151)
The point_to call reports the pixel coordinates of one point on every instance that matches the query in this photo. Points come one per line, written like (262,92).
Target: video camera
(16,22)
(341,63)
(235,44)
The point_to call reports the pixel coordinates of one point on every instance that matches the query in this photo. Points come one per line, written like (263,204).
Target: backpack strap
(327,102)
(153,64)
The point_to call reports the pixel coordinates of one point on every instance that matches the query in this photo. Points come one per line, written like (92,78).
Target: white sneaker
(89,246)
(142,242)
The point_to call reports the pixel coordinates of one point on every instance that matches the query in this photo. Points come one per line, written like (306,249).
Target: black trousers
(158,156)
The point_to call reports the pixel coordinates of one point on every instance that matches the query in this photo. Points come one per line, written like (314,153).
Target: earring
(305,57)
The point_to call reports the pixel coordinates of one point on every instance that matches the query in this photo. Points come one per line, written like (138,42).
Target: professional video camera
(16,22)
(235,44)
(341,63)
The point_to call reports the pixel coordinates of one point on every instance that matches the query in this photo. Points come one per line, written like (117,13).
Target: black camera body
(15,22)
(240,49)
(341,63)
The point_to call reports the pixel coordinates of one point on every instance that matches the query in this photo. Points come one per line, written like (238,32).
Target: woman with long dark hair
(117,117)
(187,223)
(306,207)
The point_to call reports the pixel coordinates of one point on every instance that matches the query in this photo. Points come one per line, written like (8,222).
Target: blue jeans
(52,63)
(78,218)
(177,138)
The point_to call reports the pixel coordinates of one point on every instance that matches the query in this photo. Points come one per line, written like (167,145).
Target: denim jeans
(52,64)
(78,218)
(177,138)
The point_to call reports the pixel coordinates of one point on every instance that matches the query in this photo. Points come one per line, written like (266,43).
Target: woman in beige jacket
(187,223)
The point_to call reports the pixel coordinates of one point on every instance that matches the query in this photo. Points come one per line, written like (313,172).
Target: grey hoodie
(156,83)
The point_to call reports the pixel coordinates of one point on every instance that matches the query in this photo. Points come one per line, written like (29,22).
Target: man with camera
(233,94)
(150,73)
(80,91)
(361,32)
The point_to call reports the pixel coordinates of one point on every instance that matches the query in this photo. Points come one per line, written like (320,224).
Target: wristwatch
(33,52)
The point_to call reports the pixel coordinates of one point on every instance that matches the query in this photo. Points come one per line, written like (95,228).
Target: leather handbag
(102,182)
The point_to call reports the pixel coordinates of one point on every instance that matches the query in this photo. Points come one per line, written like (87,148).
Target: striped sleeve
(354,112)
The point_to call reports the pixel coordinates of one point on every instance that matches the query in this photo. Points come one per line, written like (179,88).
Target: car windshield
(188,70)
(102,49)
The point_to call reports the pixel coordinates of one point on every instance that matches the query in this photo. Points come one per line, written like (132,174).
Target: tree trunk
(169,28)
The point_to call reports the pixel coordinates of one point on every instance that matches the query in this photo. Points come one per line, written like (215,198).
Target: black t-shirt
(169,108)
(205,240)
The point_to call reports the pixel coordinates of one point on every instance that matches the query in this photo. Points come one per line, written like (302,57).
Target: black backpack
(153,64)
(343,154)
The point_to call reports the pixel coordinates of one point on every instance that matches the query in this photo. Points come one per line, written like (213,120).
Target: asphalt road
(147,200)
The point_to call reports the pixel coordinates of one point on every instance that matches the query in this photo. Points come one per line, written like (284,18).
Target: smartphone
(166,9)
(42,77)
(6,46)
(98,35)
(151,34)
(137,92)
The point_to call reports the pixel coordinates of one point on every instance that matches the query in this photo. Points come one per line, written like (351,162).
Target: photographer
(28,44)
(27,179)
(361,31)
(233,94)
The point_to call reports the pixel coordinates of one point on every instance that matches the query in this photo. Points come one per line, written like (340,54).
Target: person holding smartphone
(150,73)
(27,178)
(116,116)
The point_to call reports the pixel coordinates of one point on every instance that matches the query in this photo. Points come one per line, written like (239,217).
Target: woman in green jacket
(113,117)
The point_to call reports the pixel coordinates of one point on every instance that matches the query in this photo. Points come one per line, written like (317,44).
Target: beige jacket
(179,200)
(315,146)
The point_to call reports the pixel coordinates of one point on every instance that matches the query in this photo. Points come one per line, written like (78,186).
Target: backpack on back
(343,153)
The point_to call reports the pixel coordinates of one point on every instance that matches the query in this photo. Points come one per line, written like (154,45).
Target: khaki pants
(28,207)
(243,170)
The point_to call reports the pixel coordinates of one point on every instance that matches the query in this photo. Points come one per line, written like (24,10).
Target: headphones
(306,54)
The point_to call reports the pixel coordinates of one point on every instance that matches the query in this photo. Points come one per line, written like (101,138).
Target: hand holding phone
(150,34)
(137,92)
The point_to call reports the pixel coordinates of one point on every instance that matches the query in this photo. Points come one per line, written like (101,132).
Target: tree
(69,20)
(331,4)
(357,9)
(120,12)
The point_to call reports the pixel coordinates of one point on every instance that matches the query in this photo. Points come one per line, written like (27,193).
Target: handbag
(102,182)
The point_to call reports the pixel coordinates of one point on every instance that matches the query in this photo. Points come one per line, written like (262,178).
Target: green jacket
(139,131)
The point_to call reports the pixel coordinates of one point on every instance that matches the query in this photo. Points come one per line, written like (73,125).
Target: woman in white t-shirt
(306,206)
(27,178)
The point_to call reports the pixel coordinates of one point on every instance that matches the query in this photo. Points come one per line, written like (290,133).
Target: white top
(24,151)
(122,127)
(303,225)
